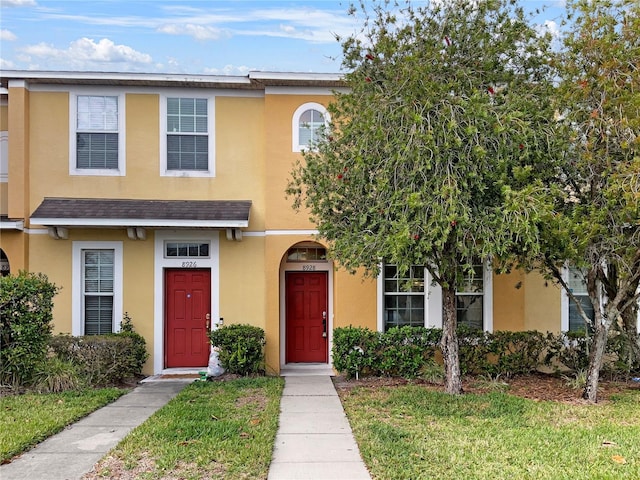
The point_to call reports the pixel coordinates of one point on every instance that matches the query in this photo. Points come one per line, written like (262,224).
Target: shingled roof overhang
(105,212)
(252,81)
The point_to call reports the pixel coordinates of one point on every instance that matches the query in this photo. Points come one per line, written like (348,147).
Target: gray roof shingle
(151,213)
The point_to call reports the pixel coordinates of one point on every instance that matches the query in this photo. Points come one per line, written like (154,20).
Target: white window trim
(433,300)
(121,171)
(211,129)
(295,123)
(77,319)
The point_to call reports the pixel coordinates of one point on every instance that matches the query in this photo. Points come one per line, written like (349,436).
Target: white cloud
(85,52)
(6,64)
(199,32)
(7,36)
(553,28)
(18,3)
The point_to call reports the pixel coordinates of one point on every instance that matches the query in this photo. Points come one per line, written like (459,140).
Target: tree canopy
(596,225)
(437,152)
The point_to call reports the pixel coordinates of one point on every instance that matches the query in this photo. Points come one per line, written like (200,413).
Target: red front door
(187,307)
(306,317)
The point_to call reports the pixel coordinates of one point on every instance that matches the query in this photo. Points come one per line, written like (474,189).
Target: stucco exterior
(251,124)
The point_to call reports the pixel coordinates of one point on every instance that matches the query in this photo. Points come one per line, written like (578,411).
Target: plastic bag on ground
(214,369)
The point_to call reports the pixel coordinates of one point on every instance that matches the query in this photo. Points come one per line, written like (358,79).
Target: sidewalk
(314,439)
(74,451)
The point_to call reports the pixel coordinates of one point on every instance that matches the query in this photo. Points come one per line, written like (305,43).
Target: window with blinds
(98,291)
(97,132)
(187,134)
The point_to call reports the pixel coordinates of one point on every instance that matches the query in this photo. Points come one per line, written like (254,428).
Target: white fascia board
(332,77)
(12,225)
(141,77)
(97,222)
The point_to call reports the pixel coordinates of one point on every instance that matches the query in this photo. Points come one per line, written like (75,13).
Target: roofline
(253,80)
(299,76)
(140,222)
(148,77)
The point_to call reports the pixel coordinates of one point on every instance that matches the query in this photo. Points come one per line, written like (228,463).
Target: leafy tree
(439,148)
(597,226)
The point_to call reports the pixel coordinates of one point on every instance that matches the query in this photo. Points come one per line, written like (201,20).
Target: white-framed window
(186,249)
(97,145)
(309,120)
(97,287)
(571,320)
(413,300)
(187,140)
(404,297)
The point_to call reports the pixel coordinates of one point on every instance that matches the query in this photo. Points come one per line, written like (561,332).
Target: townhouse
(162,197)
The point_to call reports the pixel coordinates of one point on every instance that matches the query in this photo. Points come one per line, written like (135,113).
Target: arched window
(308,121)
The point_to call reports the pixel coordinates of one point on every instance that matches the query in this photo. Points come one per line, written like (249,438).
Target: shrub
(103,359)
(26,303)
(399,352)
(567,351)
(500,353)
(354,350)
(404,351)
(241,348)
(56,375)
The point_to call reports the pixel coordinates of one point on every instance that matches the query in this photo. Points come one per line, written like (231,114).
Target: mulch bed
(536,387)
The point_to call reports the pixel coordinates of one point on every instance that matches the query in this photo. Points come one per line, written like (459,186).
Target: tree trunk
(596,354)
(449,343)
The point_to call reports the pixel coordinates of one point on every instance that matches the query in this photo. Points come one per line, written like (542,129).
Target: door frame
(286,266)
(161,263)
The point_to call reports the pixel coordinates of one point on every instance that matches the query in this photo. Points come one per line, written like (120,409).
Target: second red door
(306,317)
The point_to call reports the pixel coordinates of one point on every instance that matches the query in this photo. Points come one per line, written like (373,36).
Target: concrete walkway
(74,451)
(314,439)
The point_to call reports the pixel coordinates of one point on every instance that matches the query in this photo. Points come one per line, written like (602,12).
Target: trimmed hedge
(409,351)
(241,348)
(103,359)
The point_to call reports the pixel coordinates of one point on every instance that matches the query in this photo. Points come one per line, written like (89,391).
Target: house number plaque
(189,264)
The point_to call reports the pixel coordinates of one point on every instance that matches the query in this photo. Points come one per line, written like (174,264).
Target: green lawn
(412,432)
(210,430)
(28,419)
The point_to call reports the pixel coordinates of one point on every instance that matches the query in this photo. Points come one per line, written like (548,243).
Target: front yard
(415,431)
(535,428)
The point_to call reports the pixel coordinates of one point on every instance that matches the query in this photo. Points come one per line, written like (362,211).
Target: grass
(28,419)
(210,430)
(413,432)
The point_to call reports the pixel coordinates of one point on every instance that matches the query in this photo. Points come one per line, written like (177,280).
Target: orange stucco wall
(508,301)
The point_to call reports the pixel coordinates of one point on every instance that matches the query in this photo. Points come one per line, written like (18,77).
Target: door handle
(208,322)
(324,324)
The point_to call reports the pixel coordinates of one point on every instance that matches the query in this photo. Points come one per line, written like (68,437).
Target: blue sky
(183,36)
